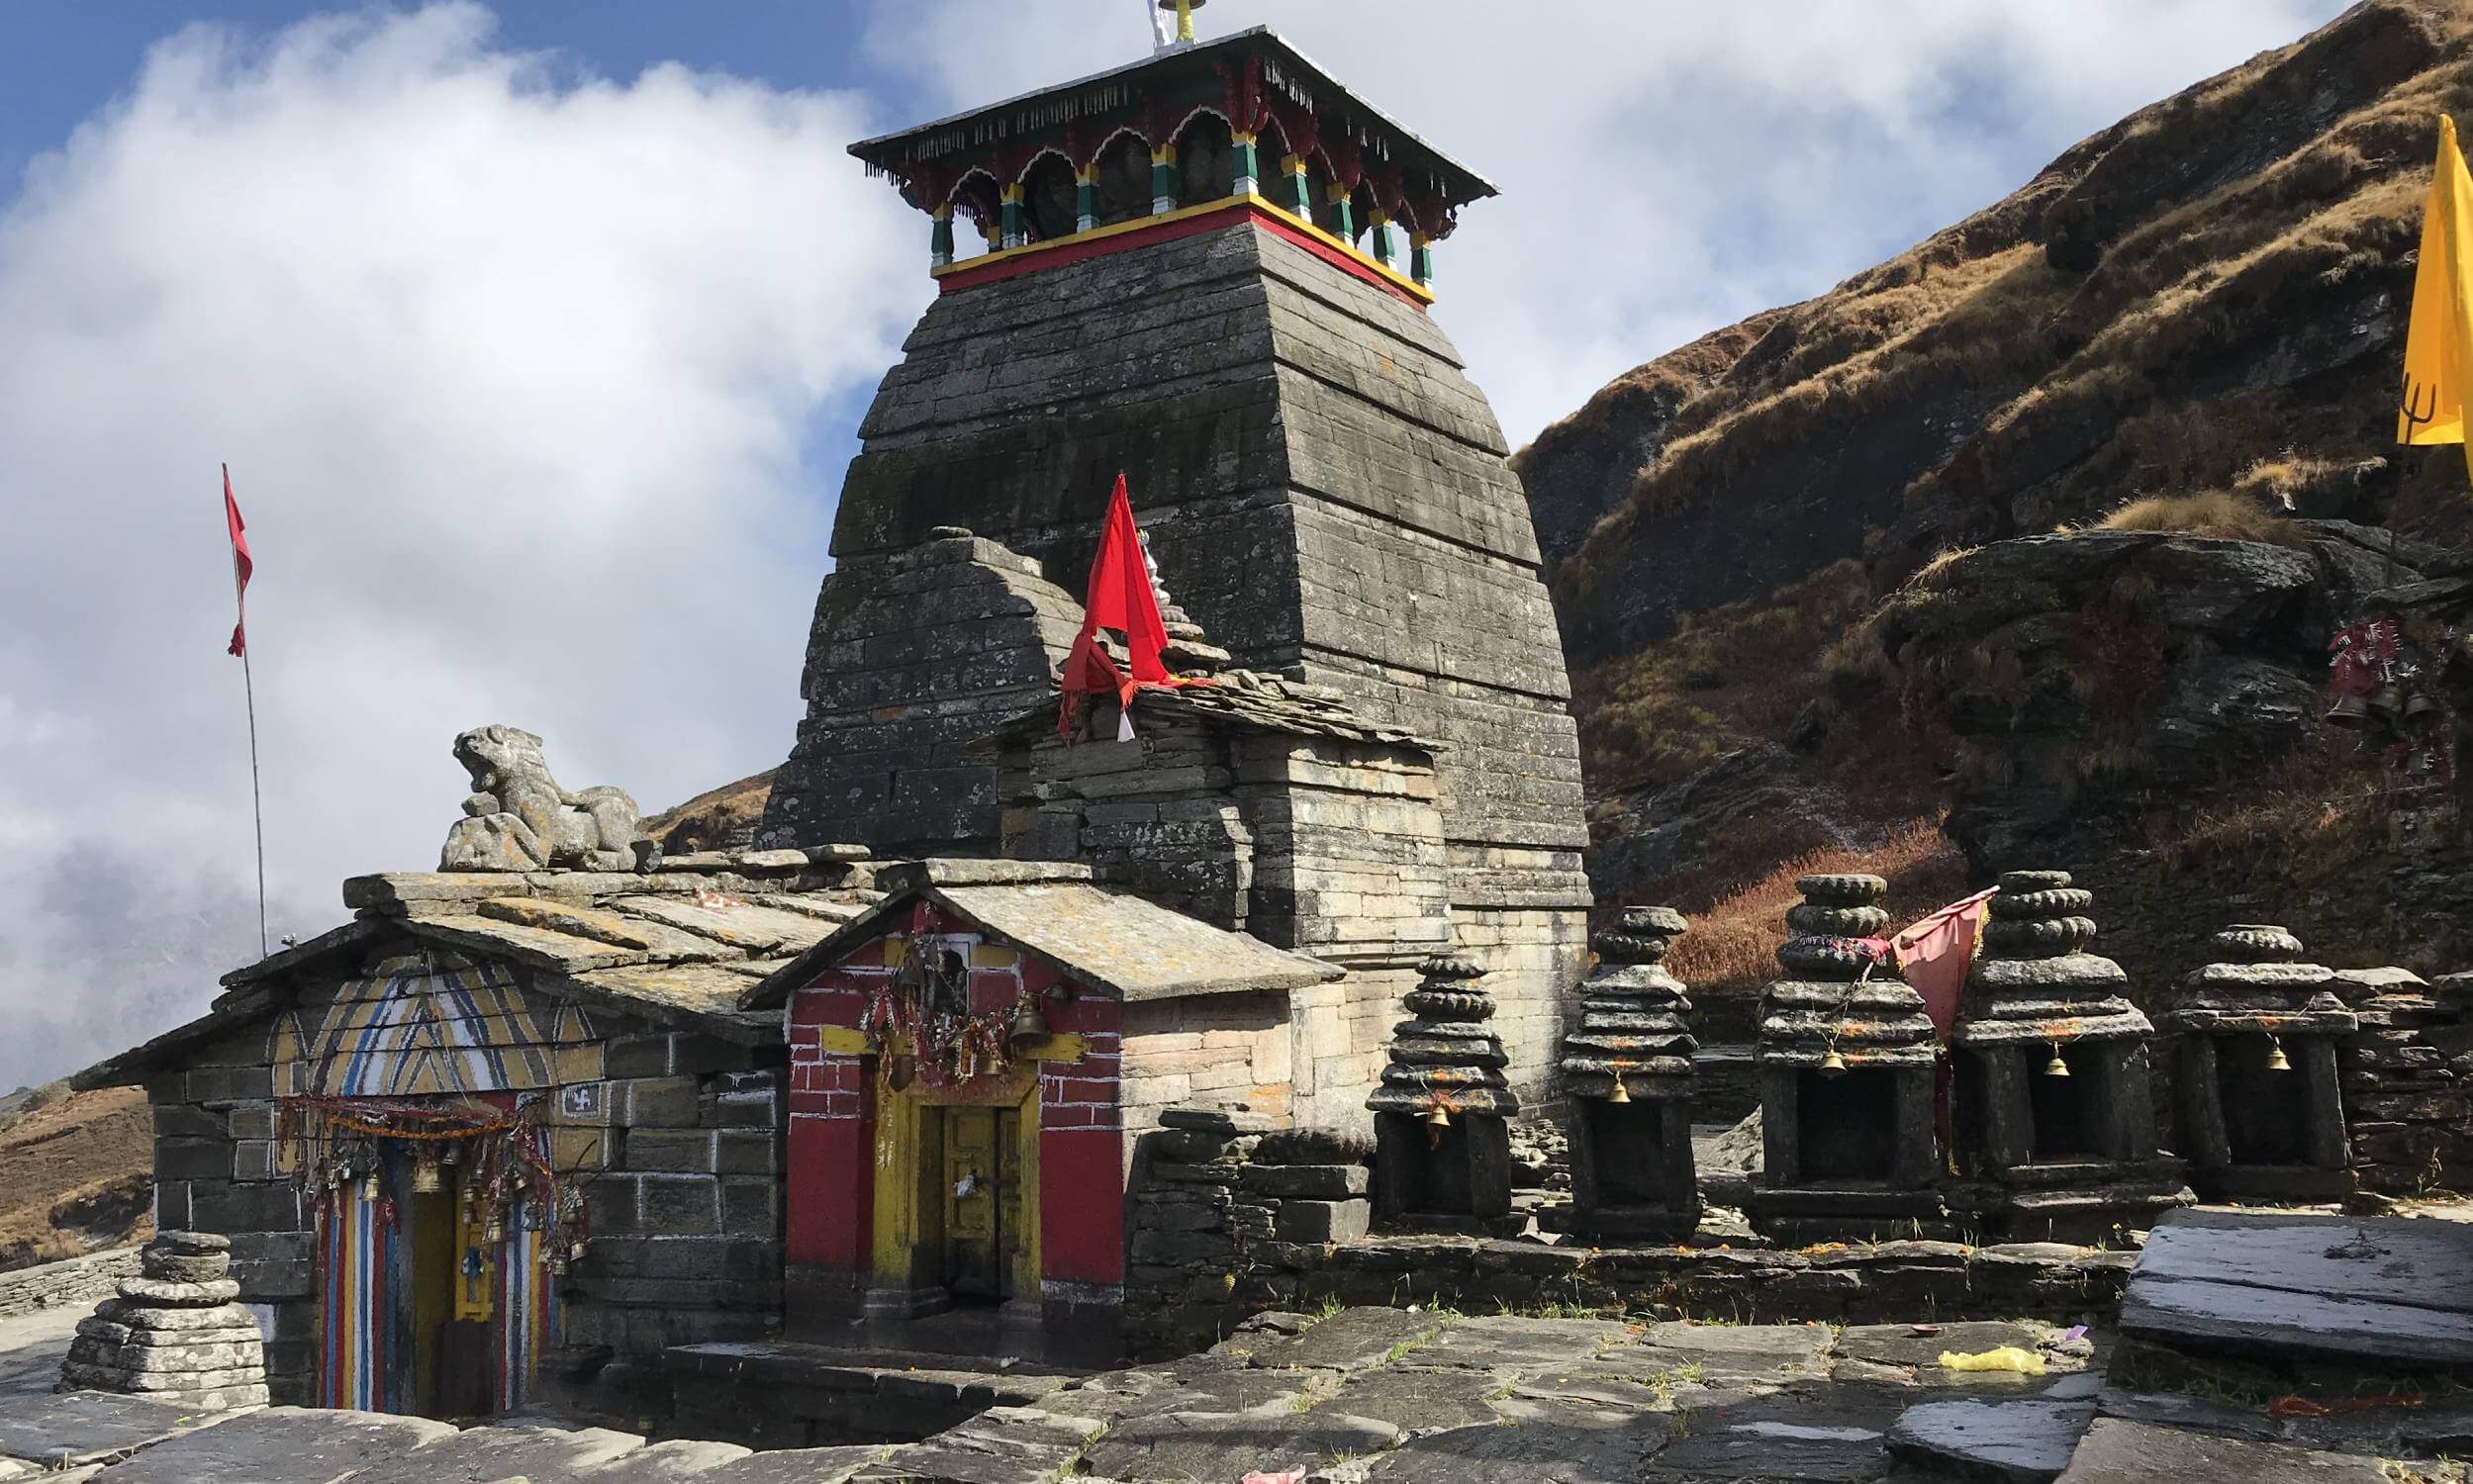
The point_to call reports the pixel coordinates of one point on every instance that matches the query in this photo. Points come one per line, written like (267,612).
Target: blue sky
(537,336)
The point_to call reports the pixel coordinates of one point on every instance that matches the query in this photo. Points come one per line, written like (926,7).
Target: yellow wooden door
(975,1186)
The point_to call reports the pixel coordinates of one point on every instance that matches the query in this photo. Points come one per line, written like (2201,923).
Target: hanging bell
(2348,710)
(427,1180)
(1833,1065)
(2388,700)
(1028,1025)
(2056,1068)
(1438,1118)
(2276,1060)
(1621,1094)
(2419,704)
(369,1186)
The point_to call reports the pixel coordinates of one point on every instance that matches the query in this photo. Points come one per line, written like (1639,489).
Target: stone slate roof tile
(1118,944)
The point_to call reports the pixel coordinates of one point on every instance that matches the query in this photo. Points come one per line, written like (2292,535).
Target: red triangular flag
(240,569)
(1119,597)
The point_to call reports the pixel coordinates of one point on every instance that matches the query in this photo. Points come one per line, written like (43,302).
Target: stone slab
(1543,1453)
(488,1455)
(663,1462)
(2385,1258)
(1349,1340)
(2120,1453)
(1002,1445)
(1509,1343)
(1900,1344)
(1229,1445)
(77,1427)
(2026,1441)
(1735,1349)
(279,1445)
(798,1467)
(1831,1435)
(1418,1402)
(2221,1316)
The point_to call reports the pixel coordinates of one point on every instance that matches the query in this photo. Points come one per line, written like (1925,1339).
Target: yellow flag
(2438,348)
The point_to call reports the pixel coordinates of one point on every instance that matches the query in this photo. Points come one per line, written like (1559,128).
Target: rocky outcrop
(2208,295)
(2064,677)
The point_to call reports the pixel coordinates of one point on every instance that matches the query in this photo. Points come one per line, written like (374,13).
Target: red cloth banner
(1120,597)
(241,567)
(1934,953)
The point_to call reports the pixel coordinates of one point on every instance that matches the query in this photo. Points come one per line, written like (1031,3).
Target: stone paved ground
(1362,1396)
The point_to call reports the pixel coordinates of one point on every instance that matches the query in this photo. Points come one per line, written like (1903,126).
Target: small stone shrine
(2262,1115)
(1441,1118)
(1626,1072)
(1847,1070)
(2055,1119)
(175,1334)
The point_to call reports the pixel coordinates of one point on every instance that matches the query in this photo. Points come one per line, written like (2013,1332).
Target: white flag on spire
(1163,23)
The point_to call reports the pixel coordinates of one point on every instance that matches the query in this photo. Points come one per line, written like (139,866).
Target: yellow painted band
(1294,164)
(1165,154)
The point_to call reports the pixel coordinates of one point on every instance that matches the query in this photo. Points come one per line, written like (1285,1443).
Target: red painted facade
(835,1097)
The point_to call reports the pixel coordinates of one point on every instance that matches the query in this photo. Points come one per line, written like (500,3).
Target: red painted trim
(1262,214)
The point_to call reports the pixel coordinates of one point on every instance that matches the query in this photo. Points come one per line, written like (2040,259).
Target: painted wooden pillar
(1342,222)
(1163,180)
(1299,195)
(1378,236)
(1087,198)
(940,237)
(1421,258)
(1011,198)
(1249,163)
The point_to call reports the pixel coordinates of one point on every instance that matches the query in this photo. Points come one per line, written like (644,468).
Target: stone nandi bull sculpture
(517,818)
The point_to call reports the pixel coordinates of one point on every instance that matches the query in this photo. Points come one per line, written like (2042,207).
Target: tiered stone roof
(1835,999)
(2035,983)
(2262,986)
(1632,1010)
(1445,1056)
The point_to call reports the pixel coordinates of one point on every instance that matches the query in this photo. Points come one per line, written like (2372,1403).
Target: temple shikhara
(1169,922)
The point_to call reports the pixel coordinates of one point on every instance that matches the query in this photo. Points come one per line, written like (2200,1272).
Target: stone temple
(1195,278)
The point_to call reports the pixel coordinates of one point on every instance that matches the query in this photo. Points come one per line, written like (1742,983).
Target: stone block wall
(1216,1051)
(72,1283)
(2407,1077)
(914,657)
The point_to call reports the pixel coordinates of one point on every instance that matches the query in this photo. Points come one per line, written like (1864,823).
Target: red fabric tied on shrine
(1119,597)
(1935,952)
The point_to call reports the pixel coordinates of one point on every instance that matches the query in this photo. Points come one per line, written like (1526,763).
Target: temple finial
(1184,11)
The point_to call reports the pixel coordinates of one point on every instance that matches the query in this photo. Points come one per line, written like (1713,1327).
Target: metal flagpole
(248,692)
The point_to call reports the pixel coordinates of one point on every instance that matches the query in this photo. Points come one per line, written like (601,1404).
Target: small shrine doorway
(982,1216)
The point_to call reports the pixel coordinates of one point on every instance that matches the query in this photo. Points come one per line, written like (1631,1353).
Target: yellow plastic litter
(2006,1357)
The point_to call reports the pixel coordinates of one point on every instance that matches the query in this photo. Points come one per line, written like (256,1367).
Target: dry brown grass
(1724,680)
(2218,514)
(725,816)
(1736,931)
(75,1176)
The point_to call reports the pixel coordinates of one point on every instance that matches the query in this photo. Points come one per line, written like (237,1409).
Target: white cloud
(514,369)
(1666,168)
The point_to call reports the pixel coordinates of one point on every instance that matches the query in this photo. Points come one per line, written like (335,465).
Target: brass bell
(1621,1094)
(2348,710)
(1028,1025)
(2388,698)
(1438,1118)
(2056,1068)
(427,1180)
(2419,704)
(1833,1065)
(2276,1060)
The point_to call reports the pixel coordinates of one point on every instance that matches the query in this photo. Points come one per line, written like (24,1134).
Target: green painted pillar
(1342,220)
(1378,236)
(1015,237)
(1248,165)
(1300,192)
(940,237)
(1087,198)
(1421,258)
(1163,180)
